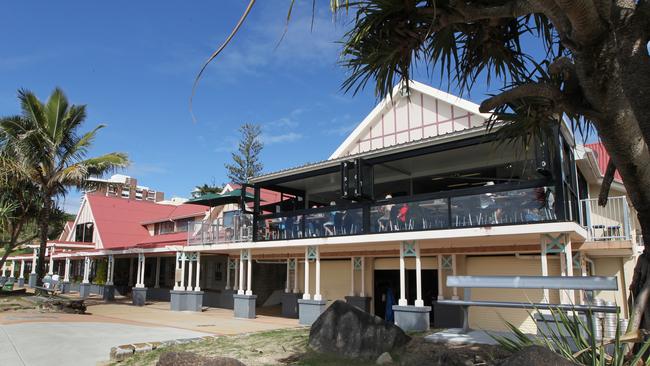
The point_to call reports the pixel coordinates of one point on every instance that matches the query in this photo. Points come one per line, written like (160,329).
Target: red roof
(119,221)
(602,156)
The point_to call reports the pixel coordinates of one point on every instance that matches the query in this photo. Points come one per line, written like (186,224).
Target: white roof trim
(390,100)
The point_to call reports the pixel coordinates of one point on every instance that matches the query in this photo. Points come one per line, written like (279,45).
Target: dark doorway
(385,279)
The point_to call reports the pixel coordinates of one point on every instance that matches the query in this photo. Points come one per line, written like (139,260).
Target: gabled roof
(119,221)
(465,110)
(602,157)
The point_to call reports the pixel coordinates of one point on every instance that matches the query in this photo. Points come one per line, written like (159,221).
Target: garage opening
(385,279)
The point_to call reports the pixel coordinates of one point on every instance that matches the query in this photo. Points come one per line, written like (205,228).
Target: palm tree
(43,142)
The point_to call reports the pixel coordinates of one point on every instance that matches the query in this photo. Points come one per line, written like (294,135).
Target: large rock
(347,331)
(191,359)
(536,356)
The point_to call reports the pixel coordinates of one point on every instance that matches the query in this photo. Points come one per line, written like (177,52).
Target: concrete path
(74,343)
(35,339)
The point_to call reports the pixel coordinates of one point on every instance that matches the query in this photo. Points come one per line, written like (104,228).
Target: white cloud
(276,139)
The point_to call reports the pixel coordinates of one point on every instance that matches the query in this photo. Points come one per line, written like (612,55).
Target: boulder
(384,359)
(192,359)
(348,331)
(536,356)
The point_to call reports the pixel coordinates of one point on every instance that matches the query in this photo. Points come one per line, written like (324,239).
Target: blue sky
(133,64)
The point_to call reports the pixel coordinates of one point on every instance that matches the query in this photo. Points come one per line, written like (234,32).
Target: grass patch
(277,347)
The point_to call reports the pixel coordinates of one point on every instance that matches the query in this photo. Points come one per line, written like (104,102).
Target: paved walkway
(35,339)
(456,336)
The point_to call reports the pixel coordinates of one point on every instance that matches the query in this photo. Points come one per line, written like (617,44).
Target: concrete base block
(290,305)
(139,296)
(109,293)
(177,300)
(227,301)
(310,310)
(3,279)
(32,280)
(412,318)
(11,280)
(244,306)
(84,290)
(194,301)
(65,287)
(362,302)
(21,282)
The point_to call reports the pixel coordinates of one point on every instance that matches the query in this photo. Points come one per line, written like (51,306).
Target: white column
(402,277)
(418,276)
(306,295)
(66,274)
(441,296)
(22,268)
(351,276)
(34,260)
(189,275)
(363,277)
(86,270)
(111,270)
(249,274)
(568,258)
(198,272)
(236,284)
(454,271)
(157,283)
(50,270)
(130,271)
(544,269)
(317,295)
(296,263)
(241,273)
(228,273)
(183,259)
(288,284)
(177,267)
(13,268)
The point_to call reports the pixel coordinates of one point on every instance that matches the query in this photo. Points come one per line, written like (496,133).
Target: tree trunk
(612,80)
(43,228)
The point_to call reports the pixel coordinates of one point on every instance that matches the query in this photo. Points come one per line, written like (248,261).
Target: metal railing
(205,233)
(402,214)
(611,222)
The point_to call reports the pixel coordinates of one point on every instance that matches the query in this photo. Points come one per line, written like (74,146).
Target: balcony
(611,222)
(207,233)
(497,207)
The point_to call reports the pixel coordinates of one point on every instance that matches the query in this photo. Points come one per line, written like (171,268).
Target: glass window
(163,227)
(183,224)
(84,232)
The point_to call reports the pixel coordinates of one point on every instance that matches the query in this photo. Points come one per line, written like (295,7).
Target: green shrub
(100,273)
(578,336)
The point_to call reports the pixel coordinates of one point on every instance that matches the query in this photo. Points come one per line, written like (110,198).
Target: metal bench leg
(465,319)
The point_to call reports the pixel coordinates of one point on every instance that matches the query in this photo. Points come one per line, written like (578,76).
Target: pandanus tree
(46,149)
(584,60)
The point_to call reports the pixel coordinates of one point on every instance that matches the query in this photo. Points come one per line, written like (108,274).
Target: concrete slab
(85,343)
(455,336)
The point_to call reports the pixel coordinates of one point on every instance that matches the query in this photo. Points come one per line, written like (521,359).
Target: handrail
(591,283)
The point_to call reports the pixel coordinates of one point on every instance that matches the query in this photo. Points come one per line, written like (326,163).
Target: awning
(215,199)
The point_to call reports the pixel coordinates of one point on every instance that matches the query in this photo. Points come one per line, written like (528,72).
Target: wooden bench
(55,289)
(587,283)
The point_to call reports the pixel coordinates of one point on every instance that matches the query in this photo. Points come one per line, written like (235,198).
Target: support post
(544,263)
(418,276)
(32,274)
(22,269)
(157,283)
(183,259)
(50,270)
(441,295)
(189,274)
(295,275)
(86,270)
(66,273)
(351,276)
(240,291)
(228,274)
(454,267)
(317,295)
(236,284)
(12,269)
(306,295)
(363,277)
(249,275)
(177,267)
(130,271)
(402,277)
(288,282)
(197,287)
(568,259)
